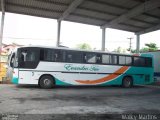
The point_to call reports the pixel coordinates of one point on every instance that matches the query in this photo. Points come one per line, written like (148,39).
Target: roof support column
(2,23)
(103,38)
(58,32)
(137,42)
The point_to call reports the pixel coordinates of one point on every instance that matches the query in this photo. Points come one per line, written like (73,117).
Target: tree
(149,47)
(84,46)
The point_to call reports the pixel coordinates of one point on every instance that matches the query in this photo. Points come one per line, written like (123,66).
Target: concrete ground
(25,99)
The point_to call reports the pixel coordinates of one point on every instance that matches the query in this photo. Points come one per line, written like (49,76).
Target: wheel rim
(47,82)
(127,83)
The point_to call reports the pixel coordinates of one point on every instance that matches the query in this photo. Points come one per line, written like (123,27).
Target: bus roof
(66,48)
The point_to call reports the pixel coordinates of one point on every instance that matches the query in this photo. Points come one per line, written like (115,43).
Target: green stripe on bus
(15,80)
(59,82)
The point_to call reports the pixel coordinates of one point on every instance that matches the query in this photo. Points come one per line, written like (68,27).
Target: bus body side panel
(141,75)
(78,74)
(70,73)
(27,77)
(15,78)
(156,59)
(21,76)
(102,75)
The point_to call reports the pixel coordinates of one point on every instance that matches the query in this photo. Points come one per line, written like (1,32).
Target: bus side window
(125,60)
(148,62)
(138,61)
(99,59)
(91,58)
(42,54)
(69,58)
(105,59)
(122,60)
(47,55)
(63,56)
(113,59)
(58,56)
(128,60)
(74,56)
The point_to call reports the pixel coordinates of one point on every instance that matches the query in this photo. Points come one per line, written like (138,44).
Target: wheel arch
(128,76)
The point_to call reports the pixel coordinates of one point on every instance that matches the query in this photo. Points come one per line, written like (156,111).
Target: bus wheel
(127,82)
(46,82)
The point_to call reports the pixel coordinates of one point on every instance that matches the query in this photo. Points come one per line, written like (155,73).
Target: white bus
(48,67)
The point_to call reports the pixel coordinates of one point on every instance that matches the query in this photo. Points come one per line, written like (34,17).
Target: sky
(29,30)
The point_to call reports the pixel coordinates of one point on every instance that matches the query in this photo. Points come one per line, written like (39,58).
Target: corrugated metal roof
(131,15)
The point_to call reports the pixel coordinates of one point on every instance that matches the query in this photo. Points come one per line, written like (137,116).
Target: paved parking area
(78,100)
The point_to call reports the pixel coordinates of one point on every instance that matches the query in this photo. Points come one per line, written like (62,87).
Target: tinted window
(109,59)
(73,56)
(128,60)
(90,57)
(113,59)
(105,59)
(125,60)
(138,61)
(148,62)
(51,55)
(122,60)
(28,57)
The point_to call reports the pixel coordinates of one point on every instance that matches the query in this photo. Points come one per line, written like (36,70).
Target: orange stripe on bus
(107,78)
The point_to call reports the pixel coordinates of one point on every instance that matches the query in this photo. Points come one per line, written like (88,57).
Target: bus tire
(127,82)
(46,82)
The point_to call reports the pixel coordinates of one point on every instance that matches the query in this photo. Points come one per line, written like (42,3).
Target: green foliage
(84,46)
(133,51)
(152,46)
(144,50)
(149,47)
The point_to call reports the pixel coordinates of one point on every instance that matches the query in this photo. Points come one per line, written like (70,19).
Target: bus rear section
(156,65)
(48,67)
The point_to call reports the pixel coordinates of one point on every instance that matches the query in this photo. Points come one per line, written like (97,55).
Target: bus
(48,67)
(156,58)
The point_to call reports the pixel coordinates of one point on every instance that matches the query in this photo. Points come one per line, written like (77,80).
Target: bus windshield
(28,58)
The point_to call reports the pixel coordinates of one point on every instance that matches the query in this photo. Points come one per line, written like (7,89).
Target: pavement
(153,85)
(61,102)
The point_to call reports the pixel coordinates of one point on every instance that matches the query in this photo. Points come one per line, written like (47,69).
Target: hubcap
(47,82)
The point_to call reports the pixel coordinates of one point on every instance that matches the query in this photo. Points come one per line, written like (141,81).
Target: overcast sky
(25,30)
